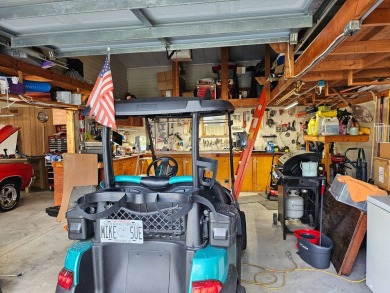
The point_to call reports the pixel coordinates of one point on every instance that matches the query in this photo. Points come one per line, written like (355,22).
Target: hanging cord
(273,273)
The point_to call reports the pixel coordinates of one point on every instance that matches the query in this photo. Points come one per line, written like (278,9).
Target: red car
(13,176)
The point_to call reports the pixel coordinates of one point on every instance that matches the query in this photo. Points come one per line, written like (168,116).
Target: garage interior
(322,67)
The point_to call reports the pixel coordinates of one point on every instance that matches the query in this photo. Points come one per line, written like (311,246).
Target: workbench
(326,140)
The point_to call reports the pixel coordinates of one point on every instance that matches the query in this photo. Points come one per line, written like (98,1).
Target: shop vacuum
(360,165)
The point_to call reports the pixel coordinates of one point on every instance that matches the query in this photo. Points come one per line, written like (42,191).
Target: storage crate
(340,192)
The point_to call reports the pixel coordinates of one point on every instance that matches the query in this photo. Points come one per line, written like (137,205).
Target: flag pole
(108,53)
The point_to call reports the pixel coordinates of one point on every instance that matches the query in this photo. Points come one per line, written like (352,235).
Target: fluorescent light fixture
(291,105)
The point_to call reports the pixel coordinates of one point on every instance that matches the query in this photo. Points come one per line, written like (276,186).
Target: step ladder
(247,152)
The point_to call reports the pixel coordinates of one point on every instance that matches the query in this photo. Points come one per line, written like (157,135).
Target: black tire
(243,229)
(9,195)
(275,219)
(240,289)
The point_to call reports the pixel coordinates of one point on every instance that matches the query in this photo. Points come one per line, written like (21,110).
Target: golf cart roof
(173,106)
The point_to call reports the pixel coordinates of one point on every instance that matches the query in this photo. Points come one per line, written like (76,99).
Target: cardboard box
(381,173)
(188,94)
(164,76)
(168,75)
(167,93)
(160,76)
(165,85)
(384,150)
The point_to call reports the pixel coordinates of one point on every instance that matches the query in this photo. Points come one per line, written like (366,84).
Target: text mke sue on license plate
(121,231)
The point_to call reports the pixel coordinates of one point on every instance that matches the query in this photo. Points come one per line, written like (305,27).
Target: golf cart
(162,232)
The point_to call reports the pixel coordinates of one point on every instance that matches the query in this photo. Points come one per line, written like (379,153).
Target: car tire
(9,195)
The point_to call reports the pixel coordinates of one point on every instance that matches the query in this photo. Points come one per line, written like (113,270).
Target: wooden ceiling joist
(339,75)
(362,47)
(278,47)
(379,17)
(351,10)
(373,81)
(339,65)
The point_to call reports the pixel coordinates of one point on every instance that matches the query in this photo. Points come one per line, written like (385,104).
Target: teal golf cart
(159,232)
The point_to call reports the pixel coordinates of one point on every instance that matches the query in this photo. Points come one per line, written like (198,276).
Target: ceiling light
(291,105)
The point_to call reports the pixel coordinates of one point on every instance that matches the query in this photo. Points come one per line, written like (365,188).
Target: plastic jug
(311,127)
(270,147)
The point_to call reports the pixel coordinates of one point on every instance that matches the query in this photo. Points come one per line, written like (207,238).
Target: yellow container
(311,126)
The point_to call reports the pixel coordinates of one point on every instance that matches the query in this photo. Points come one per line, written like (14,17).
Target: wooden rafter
(349,11)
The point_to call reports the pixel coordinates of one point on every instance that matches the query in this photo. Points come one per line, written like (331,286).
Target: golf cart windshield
(176,107)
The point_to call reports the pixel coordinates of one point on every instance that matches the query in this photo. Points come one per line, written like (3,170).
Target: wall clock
(42,117)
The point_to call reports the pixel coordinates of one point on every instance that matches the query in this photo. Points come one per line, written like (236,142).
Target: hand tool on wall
(293,126)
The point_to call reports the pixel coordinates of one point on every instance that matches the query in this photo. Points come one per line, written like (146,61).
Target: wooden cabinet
(187,166)
(247,184)
(131,121)
(125,166)
(262,171)
(223,172)
(129,166)
(257,175)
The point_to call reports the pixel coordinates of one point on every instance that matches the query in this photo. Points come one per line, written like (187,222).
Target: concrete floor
(35,244)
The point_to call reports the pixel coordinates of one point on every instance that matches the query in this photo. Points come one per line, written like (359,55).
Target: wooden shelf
(12,66)
(336,138)
(247,102)
(326,140)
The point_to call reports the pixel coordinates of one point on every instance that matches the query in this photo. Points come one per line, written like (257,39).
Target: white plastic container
(330,126)
(309,169)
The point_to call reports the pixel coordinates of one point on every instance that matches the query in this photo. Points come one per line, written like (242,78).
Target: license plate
(121,231)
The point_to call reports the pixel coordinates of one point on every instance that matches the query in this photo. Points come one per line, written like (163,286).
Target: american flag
(101,99)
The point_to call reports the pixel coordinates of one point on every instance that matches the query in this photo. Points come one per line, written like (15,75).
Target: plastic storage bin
(340,192)
(317,256)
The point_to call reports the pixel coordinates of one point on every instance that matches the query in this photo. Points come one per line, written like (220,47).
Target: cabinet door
(247,184)
(180,165)
(137,121)
(223,172)
(187,166)
(129,166)
(118,167)
(262,171)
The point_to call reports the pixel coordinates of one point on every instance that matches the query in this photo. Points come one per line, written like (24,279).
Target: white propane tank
(294,205)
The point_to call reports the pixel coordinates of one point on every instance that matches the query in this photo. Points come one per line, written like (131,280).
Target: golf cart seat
(152,182)
(215,193)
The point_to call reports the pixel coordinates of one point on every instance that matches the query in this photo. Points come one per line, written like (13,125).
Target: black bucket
(317,256)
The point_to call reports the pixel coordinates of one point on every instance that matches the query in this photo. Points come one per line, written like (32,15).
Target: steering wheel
(163,166)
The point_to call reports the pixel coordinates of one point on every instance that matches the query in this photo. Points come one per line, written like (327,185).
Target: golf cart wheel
(275,219)
(240,289)
(243,229)
(9,195)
